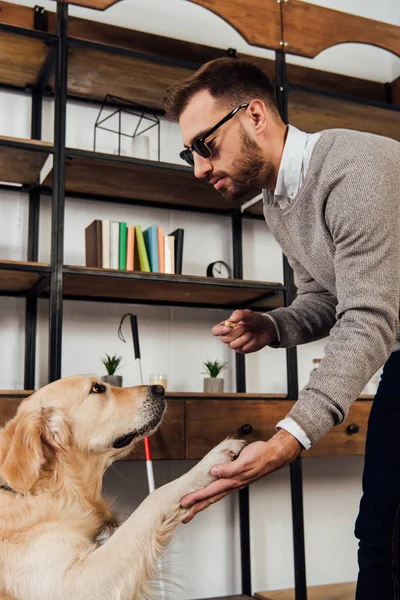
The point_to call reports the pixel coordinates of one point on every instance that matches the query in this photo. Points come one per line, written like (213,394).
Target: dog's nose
(157,390)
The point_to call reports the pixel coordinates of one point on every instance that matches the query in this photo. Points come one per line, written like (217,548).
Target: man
(331,200)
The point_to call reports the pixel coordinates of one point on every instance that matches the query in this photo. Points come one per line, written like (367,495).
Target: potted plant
(112,364)
(213,384)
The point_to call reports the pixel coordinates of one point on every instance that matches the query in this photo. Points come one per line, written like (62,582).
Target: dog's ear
(30,442)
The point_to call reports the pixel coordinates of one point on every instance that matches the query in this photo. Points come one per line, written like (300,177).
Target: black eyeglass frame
(199,145)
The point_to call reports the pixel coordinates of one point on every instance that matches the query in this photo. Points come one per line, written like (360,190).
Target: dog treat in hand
(229,324)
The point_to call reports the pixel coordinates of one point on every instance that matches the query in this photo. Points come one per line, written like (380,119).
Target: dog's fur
(55,527)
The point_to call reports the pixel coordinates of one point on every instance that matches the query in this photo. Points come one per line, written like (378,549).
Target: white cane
(147,449)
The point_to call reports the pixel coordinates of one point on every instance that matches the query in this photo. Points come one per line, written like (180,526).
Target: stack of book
(114,245)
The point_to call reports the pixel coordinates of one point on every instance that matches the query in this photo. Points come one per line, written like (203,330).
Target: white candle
(158,379)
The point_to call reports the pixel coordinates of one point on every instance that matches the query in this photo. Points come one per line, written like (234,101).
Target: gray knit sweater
(341,235)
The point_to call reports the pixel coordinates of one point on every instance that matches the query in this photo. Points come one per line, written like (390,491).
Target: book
(150,236)
(178,249)
(105,244)
(169,245)
(161,250)
(93,244)
(130,248)
(141,248)
(122,246)
(114,245)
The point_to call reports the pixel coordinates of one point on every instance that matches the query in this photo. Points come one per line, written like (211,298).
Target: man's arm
(311,315)
(363,217)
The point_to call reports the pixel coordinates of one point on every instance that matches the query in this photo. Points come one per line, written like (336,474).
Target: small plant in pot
(112,364)
(213,384)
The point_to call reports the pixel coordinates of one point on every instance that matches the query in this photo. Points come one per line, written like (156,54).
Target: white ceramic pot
(213,385)
(113,380)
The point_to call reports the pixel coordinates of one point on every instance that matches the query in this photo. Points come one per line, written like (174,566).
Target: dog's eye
(98,388)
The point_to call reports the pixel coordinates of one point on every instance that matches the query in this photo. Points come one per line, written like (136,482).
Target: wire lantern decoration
(145,121)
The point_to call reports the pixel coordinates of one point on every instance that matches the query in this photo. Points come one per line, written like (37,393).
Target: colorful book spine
(178,249)
(142,252)
(122,246)
(130,249)
(114,245)
(105,244)
(93,244)
(169,242)
(161,250)
(150,236)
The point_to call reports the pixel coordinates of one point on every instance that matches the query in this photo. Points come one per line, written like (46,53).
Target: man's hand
(251,331)
(255,461)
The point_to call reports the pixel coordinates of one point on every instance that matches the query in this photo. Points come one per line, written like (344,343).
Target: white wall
(205,552)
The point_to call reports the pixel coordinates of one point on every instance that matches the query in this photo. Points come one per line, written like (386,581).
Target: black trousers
(378,522)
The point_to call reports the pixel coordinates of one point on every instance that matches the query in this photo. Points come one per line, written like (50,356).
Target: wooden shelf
(22,51)
(21,161)
(337,591)
(172,290)
(142,80)
(19,278)
(96,174)
(234,597)
(314,112)
(81,283)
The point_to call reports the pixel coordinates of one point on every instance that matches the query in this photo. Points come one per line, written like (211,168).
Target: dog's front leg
(124,567)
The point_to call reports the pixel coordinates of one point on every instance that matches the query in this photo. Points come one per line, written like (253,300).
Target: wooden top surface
(338,591)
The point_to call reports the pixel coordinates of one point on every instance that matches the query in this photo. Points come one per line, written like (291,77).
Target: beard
(251,171)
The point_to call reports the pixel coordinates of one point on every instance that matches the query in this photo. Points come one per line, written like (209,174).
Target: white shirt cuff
(278,335)
(292,427)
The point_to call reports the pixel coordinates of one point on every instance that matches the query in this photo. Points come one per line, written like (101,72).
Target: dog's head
(74,420)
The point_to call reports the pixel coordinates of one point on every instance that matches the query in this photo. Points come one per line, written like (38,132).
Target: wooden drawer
(169,440)
(9,406)
(210,421)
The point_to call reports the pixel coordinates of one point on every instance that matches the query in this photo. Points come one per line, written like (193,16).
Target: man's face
(237,164)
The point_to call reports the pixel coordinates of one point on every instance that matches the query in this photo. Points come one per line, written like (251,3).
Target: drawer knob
(352,429)
(246,429)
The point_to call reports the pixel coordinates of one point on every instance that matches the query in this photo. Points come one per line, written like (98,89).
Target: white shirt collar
(290,170)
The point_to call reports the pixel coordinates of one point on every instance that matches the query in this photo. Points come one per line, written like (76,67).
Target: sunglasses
(199,144)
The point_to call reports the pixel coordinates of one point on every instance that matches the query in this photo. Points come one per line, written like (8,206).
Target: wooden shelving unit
(21,161)
(82,283)
(234,597)
(312,112)
(22,53)
(21,278)
(337,591)
(100,284)
(104,175)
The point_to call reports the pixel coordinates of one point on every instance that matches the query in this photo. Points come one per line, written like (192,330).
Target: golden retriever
(55,527)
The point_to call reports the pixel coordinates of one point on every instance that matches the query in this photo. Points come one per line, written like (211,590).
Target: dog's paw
(225,452)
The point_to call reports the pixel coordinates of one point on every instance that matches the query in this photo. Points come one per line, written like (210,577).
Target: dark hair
(232,81)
